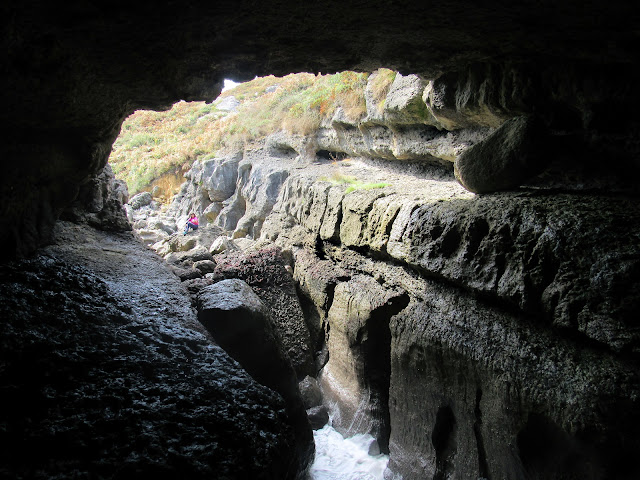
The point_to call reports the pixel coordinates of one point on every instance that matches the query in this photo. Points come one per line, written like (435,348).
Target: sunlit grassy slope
(155,148)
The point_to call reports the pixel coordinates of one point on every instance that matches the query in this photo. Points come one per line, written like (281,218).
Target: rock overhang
(74,71)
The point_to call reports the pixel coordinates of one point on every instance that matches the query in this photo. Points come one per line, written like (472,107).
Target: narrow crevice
(483,467)
(319,248)
(444,442)
(376,349)
(316,325)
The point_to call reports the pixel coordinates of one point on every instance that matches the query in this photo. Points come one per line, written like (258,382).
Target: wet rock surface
(106,372)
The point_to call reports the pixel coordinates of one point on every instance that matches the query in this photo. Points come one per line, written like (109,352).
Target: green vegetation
(365,186)
(156,144)
(338,178)
(380,85)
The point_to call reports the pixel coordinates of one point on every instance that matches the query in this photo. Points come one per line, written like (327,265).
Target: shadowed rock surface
(106,372)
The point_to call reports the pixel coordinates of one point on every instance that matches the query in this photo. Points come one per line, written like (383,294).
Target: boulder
(318,417)
(264,270)
(188,257)
(404,104)
(240,323)
(186,273)
(140,200)
(512,154)
(204,266)
(222,244)
(310,391)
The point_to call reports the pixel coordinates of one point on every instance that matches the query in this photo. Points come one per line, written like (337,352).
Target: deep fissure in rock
(483,467)
(376,357)
(443,439)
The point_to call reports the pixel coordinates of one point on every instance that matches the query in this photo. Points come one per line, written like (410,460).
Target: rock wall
(475,336)
(514,350)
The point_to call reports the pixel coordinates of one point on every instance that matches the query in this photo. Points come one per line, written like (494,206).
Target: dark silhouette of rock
(318,416)
(310,391)
(240,323)
(106,372)
(511,155)
(264,270)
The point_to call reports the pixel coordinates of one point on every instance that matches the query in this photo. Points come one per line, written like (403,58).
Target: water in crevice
(339,458)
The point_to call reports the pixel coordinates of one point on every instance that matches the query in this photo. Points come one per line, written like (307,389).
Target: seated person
(192,223)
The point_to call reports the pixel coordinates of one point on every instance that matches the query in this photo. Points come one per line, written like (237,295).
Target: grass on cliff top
(154,145)
(338,178)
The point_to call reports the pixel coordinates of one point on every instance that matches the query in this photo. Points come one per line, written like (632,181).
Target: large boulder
(404,104)
(506,159)
(240,323)
(265,271)
(140,200)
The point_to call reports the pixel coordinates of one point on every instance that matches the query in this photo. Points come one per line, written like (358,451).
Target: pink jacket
(193,220)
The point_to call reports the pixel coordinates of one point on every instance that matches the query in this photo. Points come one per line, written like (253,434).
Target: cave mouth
(329,155)
(154,144)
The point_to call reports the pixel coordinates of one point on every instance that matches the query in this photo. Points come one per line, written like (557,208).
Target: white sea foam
(338,458)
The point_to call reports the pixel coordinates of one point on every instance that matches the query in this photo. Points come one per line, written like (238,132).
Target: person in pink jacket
(192,223)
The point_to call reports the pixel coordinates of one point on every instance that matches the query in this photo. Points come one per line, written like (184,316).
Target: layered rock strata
(517,322)
(473,336)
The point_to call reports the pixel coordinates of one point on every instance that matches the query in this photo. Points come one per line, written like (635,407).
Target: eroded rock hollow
(477,314)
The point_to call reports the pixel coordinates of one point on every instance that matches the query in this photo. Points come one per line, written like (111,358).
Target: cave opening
(556,85)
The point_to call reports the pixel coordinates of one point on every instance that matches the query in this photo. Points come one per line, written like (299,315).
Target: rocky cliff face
(475,336)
